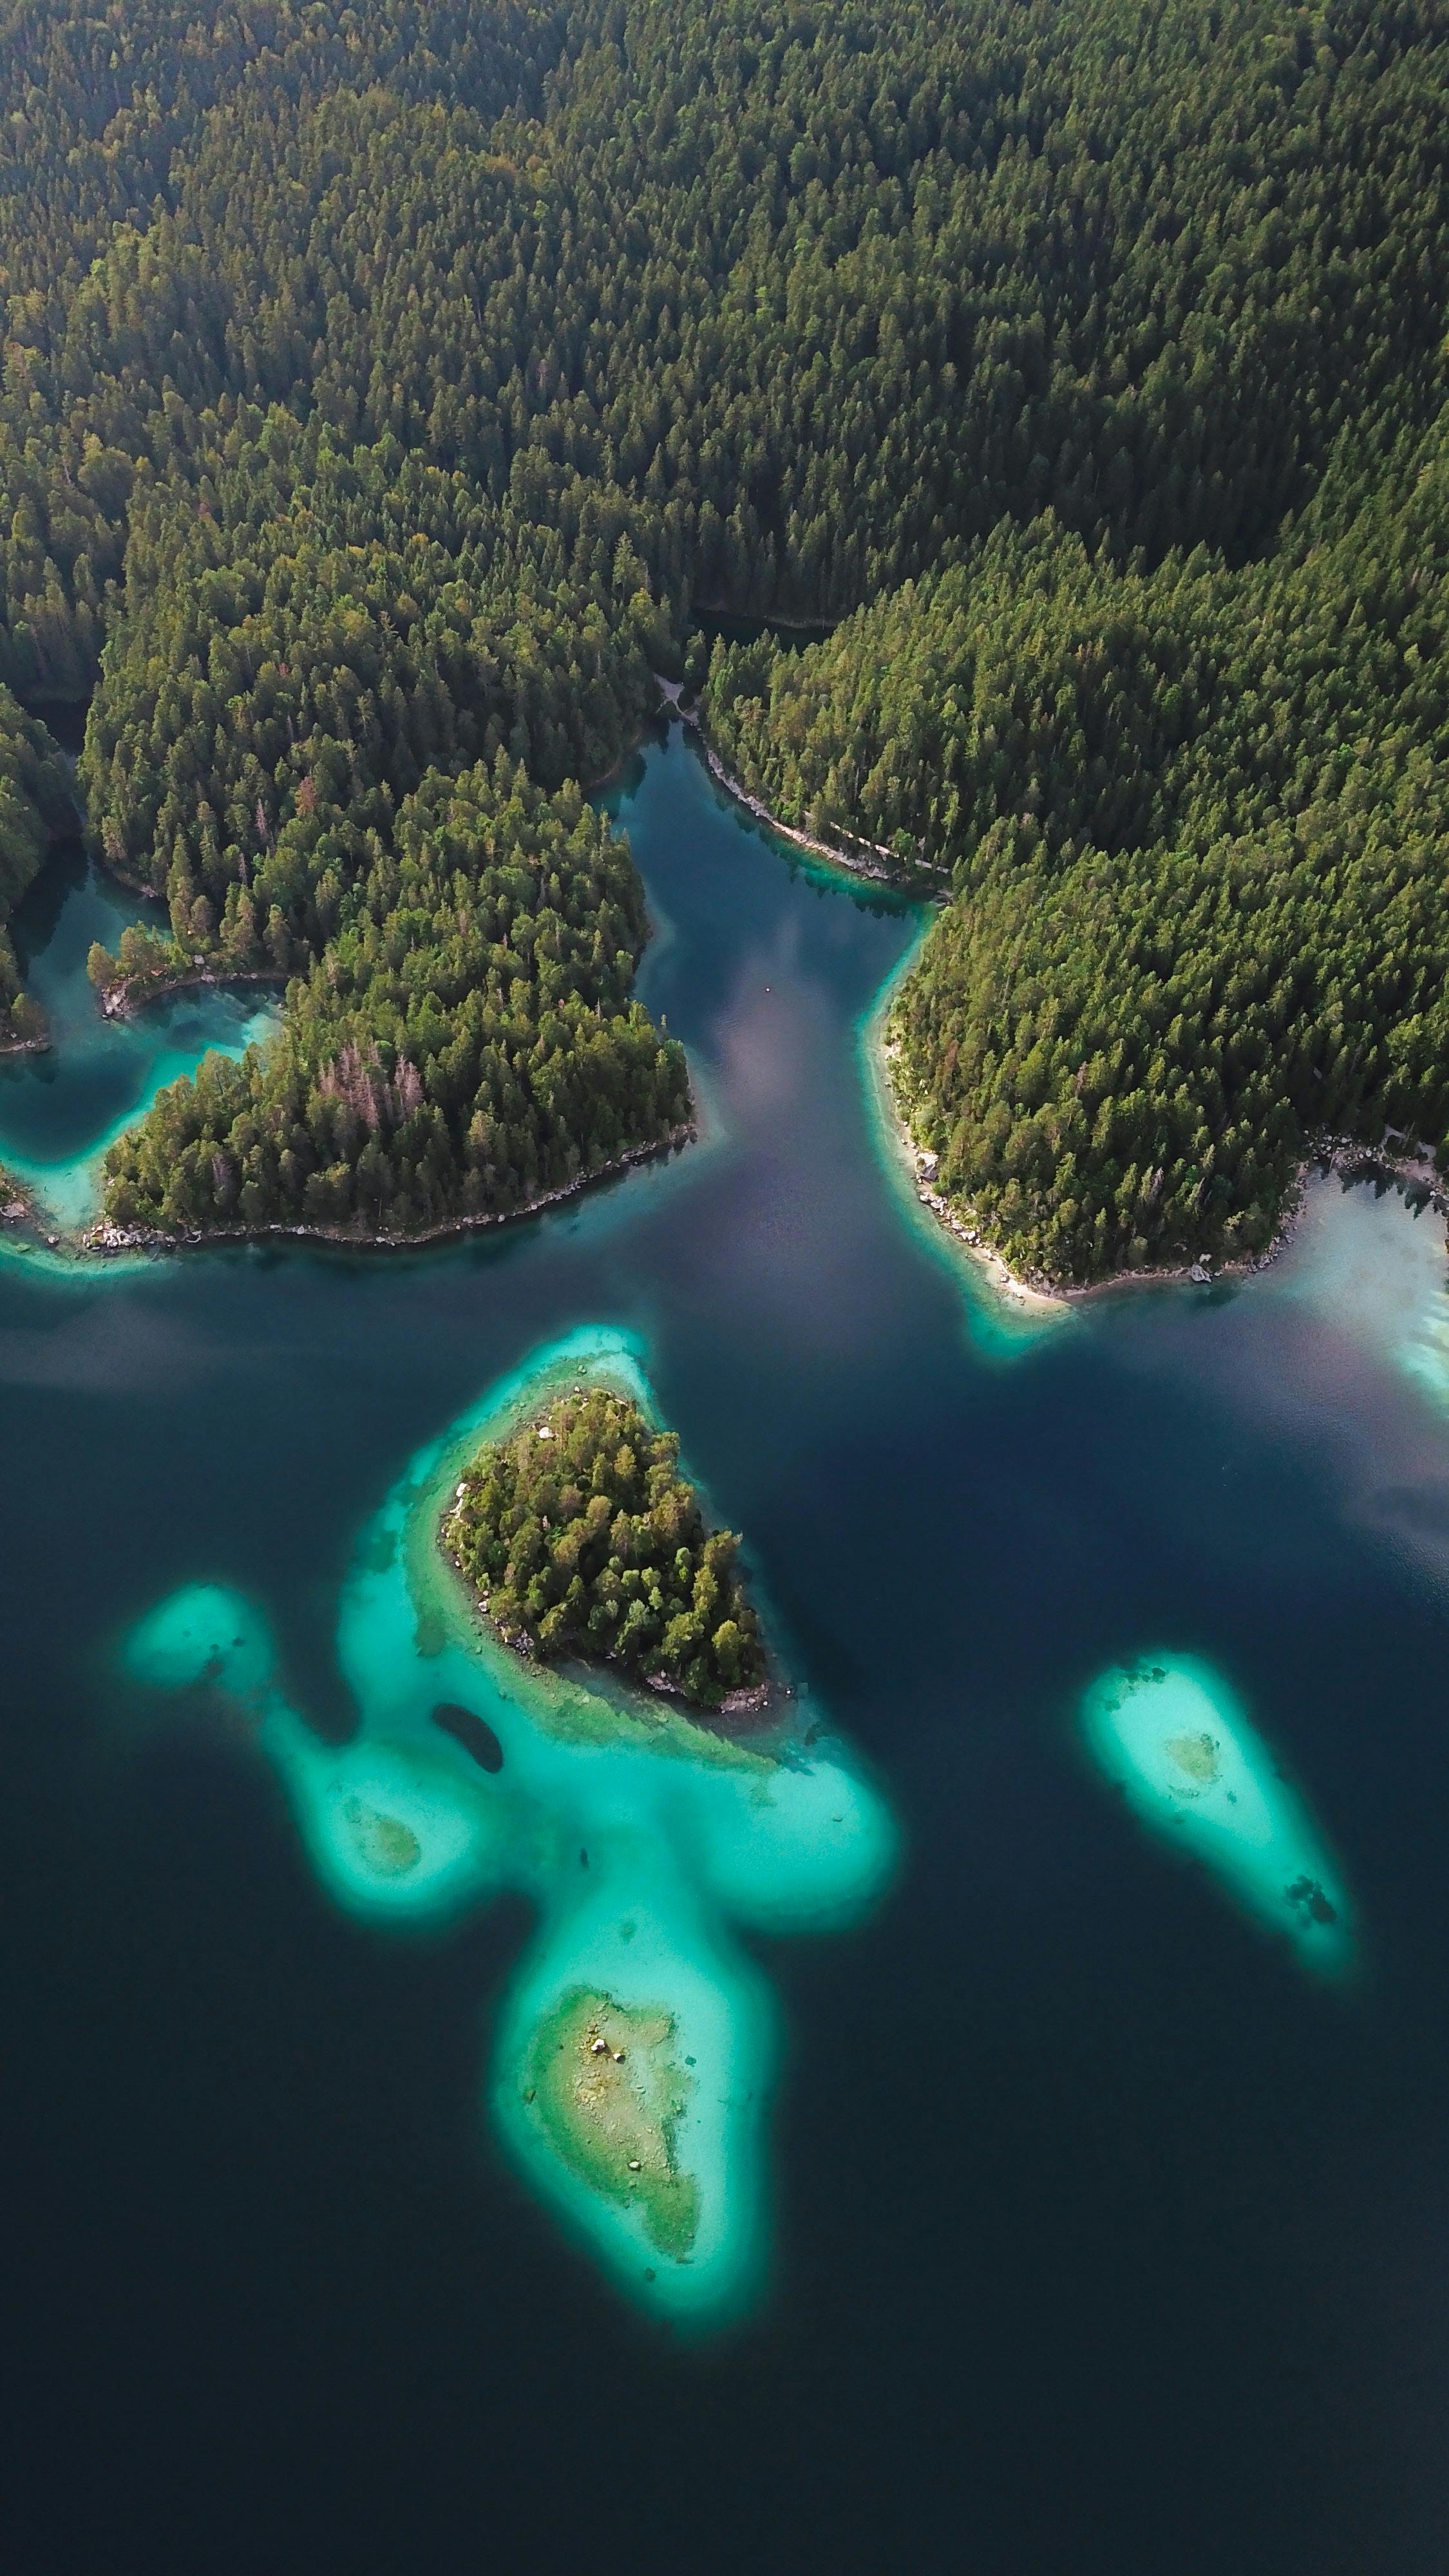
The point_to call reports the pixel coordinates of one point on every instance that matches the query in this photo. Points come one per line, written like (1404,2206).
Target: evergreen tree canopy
(463,1046)
(583,1539)
(35,807)
(383,394)
(1197,819)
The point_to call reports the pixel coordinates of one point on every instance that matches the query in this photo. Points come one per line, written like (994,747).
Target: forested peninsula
(386,394)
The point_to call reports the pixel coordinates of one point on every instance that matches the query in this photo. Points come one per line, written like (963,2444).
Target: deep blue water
(1105,2240)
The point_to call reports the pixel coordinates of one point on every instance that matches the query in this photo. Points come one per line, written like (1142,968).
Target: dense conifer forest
(35,808)
(385,392)
(582,1538)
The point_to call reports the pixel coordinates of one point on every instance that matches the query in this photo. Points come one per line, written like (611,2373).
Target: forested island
(581,1539)
(384,395)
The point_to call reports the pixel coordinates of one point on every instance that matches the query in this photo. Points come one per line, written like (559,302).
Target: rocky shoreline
(104,1237)
(1395,1159)
(767,1698)
(121,1001)
(747,1725)
(1410,1168)
(1353,1159)
(868,859)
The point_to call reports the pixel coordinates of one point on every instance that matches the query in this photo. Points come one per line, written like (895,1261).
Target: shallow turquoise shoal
(1193,1767)
(69,1188)
(642,1839)
(1384,1286)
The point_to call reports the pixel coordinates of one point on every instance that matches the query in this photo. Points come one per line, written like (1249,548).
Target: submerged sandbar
(1175,1738)
(604,2081)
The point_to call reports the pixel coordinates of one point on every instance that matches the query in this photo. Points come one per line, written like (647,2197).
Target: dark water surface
(1106,2239)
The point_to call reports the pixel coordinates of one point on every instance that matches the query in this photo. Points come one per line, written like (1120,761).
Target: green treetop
(583,1539)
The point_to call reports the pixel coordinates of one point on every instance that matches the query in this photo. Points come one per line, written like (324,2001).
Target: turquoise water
(1381,1283)
(1071,2196)
(638,1838)
(1168,1730)
(61,1111)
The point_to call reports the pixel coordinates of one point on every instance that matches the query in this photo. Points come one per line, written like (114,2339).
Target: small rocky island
(582,1539)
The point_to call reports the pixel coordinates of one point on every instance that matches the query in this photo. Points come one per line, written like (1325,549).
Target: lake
(1102,2213)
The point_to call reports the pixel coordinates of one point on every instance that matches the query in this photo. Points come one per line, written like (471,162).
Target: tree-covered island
(582,1539)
